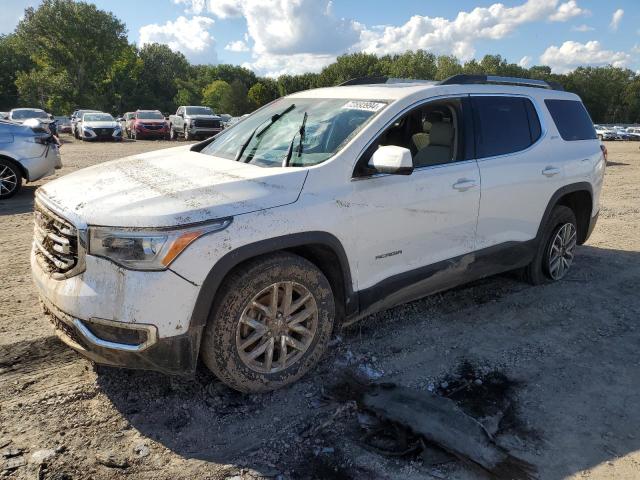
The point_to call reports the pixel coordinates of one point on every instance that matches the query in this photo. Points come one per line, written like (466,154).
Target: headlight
(146,249)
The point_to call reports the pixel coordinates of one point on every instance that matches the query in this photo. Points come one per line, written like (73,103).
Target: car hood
(167,188)
(103,124)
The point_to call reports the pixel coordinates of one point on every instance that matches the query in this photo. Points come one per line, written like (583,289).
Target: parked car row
(606,132)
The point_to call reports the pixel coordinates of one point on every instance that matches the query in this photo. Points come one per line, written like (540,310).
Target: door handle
(550,171)
(463,185)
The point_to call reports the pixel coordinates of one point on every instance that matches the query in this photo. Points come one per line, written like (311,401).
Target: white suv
(245,250)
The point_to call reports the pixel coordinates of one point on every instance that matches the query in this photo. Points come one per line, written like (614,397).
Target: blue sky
(292,36)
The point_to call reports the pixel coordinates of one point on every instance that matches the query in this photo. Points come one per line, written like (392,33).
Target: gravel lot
(570,349)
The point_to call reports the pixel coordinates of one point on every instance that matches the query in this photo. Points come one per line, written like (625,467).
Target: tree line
(68,54)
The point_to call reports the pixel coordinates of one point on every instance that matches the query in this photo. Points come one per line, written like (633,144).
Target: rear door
(519,169)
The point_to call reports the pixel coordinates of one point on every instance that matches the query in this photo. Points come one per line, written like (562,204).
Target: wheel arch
(321,248)
(23,171)
(577,196)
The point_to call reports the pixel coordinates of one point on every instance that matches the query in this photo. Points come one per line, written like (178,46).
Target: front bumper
(206,132)
(174,355)
(122,317)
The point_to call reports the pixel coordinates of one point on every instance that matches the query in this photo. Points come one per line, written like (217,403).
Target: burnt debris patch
(449,423)
(487,395)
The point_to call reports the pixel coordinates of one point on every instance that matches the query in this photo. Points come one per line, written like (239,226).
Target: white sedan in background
(99,126)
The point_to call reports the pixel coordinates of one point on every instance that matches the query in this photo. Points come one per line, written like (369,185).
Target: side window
(180,111)
(504,125)
(433,133)
(572,119)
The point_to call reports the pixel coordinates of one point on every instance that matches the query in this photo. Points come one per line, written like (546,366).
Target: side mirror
(119,119)
(392,159)
(181,115)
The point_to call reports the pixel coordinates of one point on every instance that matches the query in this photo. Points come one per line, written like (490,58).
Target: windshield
(23,114)
(151,115)
(273,133)
(198,111)
(97,117)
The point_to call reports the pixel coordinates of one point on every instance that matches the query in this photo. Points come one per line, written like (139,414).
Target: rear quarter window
(571,119)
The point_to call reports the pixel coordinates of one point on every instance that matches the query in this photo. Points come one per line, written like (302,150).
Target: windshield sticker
(363,105)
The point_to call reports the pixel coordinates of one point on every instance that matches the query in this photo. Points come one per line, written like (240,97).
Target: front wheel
(172,133)
(187,135)
(556,250)
(10,179)
(270,324)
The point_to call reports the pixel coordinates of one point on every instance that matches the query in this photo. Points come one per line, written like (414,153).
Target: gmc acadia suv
(320,208)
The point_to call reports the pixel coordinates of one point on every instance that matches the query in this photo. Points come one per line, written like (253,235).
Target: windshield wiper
(287,158)
(273,120)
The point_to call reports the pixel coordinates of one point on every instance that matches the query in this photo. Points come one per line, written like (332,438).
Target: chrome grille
(56,243)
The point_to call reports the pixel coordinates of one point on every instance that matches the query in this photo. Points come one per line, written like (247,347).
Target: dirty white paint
(419,215)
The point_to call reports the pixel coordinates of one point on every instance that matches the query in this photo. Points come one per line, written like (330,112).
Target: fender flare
(561,192)
(222,267)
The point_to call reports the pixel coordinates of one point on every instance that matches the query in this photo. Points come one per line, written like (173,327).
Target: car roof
(397,91)
(27,108)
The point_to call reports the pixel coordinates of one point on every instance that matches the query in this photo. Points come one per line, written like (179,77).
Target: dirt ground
(569,350)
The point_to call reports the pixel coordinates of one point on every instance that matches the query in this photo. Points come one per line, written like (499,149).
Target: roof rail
(374,80)
(485,79)
(364,81)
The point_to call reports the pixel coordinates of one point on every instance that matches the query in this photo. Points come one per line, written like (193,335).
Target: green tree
(162,67)
(70,40)
(213,94)
(234,100)
(260,94)
(11,63)
(419,65)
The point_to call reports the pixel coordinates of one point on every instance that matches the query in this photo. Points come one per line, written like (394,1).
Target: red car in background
(148,124)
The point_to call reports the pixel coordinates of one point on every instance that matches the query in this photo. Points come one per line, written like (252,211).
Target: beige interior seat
(421,139)
(439,150)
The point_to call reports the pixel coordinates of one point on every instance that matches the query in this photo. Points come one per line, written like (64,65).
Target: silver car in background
(27,152)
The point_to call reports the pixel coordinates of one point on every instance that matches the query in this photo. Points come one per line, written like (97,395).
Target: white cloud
(582,28)
(189,36)
(290,36)
(567,11)
(237,46)
(571,55)
(276,65)
(458,36)
(616,18)
(525,61)
(220,8)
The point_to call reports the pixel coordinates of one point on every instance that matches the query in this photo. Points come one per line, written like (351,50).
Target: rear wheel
(10,179)
(172,133)
(556,250)
(270,325)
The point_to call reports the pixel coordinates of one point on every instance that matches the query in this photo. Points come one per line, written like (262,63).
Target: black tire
(10,179)
(219,349)
(187,135)
(537,272)
(134,135)
(172,133)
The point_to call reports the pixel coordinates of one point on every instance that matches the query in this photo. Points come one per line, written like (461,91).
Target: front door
(404,223)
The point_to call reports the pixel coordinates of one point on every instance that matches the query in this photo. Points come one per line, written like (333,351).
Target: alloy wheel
(8,180)
(561,251)
(277,327)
